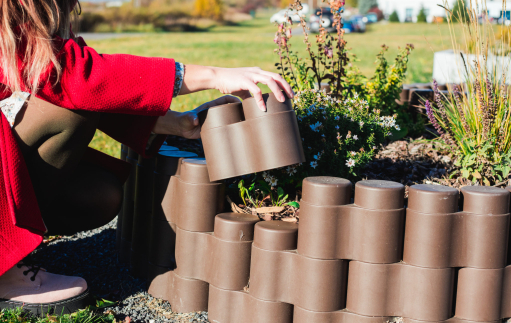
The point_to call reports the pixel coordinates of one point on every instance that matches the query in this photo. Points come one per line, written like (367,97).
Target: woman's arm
(237,81)
(186,124)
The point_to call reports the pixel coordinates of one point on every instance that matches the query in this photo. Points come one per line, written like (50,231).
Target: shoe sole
(65,306)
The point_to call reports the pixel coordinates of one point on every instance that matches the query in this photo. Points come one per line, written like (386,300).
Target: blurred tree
(459,11)
(352,3)
(421,17)
(209,9)
(394,17)
(365,5)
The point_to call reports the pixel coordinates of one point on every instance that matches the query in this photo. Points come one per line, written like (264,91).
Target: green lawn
(251,44)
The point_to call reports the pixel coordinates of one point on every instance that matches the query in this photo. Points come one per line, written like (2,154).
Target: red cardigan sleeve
(129,90)
(116,83)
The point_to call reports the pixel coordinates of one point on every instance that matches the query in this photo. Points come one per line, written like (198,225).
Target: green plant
(382,90)
(476,120)
(459,12)
(394,17)
(260,190)
(421,17)
(338,137)
(18,315)
(328,63)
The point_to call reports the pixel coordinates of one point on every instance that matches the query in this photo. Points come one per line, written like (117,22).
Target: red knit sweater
(131,91)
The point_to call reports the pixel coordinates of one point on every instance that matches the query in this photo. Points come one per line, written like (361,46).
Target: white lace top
(13,104)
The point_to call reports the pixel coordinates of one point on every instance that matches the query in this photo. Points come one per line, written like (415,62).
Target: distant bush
(421,17)
(209,9)
(394,17)
(155,17)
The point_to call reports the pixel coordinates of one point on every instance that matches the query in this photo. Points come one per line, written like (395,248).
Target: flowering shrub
(339,137)
(330,64)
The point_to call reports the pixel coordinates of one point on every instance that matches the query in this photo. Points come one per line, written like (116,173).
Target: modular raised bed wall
(361,259)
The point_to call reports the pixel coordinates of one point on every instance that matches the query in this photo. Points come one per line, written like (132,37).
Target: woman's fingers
(281,82)
(274,87)
(258,95)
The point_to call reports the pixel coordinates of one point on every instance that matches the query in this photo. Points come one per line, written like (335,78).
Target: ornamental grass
(474,118)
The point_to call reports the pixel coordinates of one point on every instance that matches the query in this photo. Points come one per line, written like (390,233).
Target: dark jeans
(73,196)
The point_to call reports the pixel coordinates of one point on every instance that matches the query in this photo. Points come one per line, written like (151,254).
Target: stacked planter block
(141,228)
(210,248)
(369,260)
(239,138)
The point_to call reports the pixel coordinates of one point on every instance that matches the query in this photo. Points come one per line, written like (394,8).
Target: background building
(408,10)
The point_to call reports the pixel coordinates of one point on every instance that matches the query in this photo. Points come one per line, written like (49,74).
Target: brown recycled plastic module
(162,239)
(344,262)
(240,139)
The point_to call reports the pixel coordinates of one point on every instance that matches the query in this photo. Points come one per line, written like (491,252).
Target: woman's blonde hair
(27,29)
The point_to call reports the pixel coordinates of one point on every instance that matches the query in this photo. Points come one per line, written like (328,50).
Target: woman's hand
(237,81)
(186,124)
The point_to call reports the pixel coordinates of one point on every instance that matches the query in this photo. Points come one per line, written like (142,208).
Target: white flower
(355,95)
(336,127)
(291,170)
(314,164)
(355,137)
(350,163)
(352,120)
(273,181)
(361,123)
(374,147)
(353,153)
(265,175)
(397,127)
(315,126)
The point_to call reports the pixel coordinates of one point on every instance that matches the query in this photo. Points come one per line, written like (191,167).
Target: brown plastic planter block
(437,236)
(157,280)
(239,307)
(506,294)
(168,164)
(479,295)
(400,290)
(194,200)
(222,258)
(241,139)
(185,295)
(370,230)
(278,273)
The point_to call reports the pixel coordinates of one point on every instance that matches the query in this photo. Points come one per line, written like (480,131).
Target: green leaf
(280,192)
(102,303)
(465,173)
(294,204)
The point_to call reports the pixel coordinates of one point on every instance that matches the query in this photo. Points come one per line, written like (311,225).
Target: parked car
(359,25)
(327,22)
(370,18)
(283,15)
(354,24)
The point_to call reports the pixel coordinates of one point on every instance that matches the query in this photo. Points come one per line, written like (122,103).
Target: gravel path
(92,255)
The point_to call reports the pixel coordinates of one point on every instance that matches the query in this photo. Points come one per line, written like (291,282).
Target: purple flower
(431,117)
